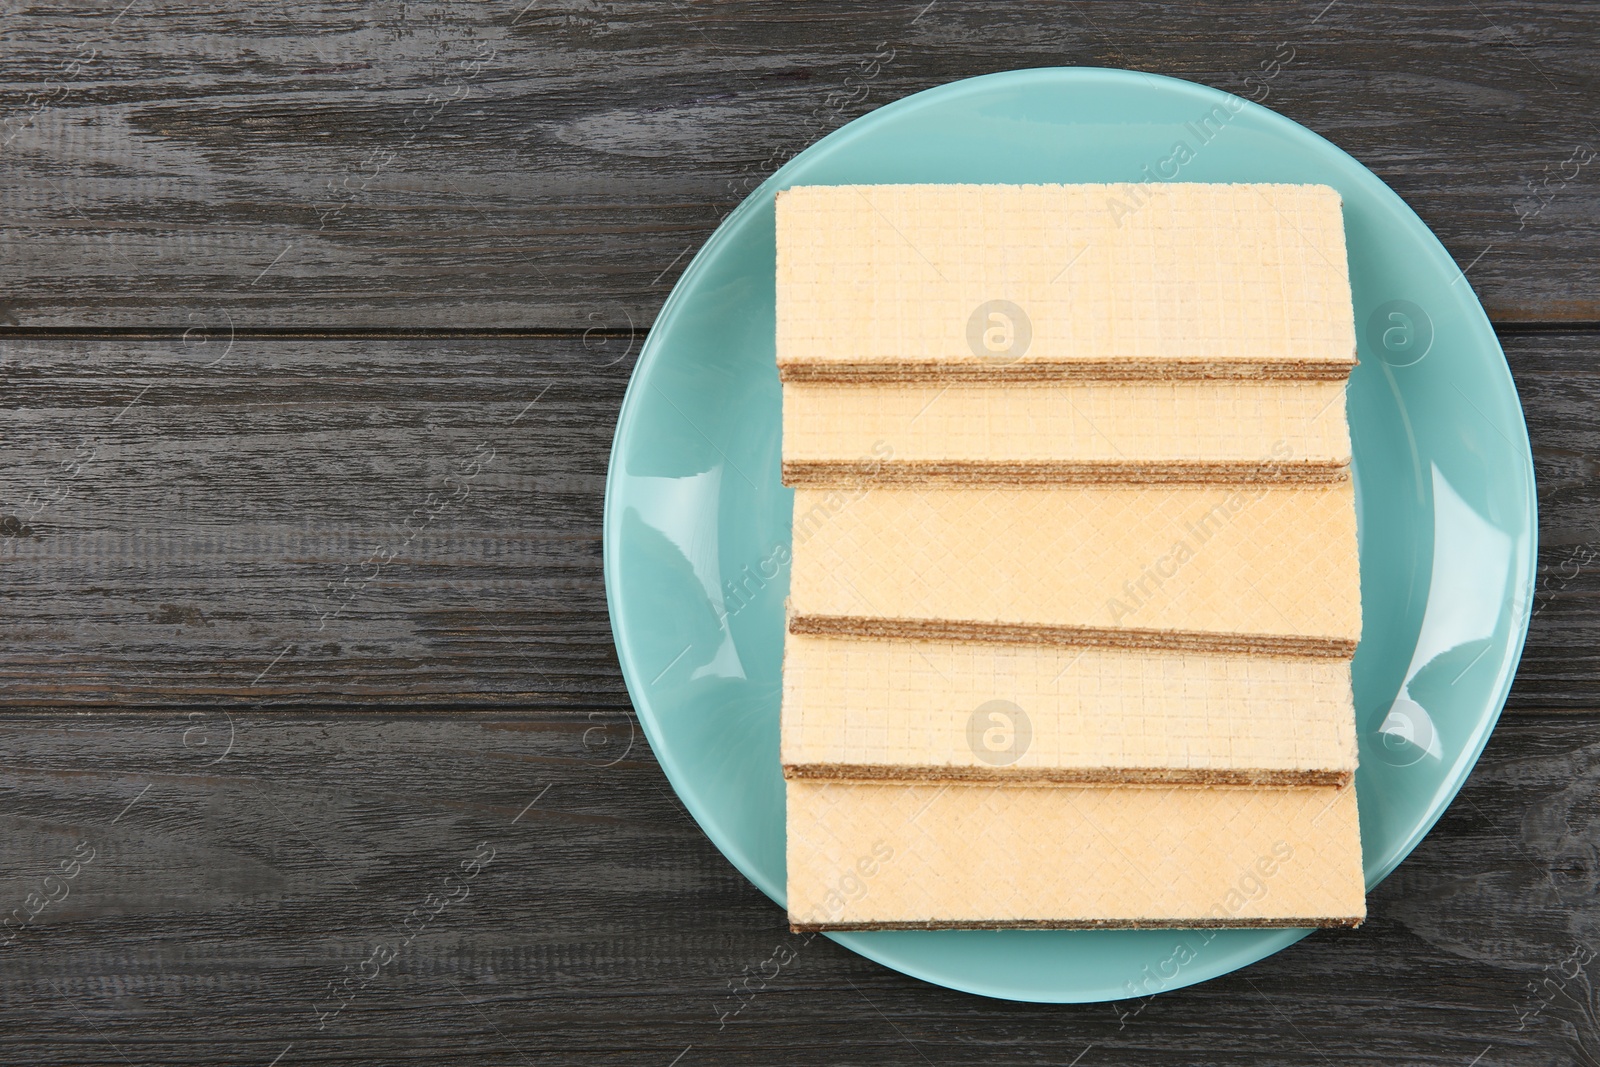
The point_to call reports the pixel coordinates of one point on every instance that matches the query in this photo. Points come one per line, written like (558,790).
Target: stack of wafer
(1075,588)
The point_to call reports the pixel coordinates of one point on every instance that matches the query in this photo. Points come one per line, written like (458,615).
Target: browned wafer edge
(1349,922)
(1004,633)
(940,372)
(923,773)
(841,474)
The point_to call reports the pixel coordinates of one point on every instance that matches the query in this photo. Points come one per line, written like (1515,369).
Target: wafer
(946,856)
(1195,568)
(866,709)
(1041,282)
(1134,432)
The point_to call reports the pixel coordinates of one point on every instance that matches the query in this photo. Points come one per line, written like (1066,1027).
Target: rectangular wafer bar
(867,856)
(1189,431)
(956,710)
(1187,568)
(1038,282)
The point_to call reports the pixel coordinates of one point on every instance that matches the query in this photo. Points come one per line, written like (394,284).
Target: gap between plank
(467,333)
(316,333)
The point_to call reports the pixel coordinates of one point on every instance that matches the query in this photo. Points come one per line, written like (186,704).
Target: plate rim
(1272,941)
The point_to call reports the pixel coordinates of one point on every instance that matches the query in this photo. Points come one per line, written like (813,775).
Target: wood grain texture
(223,897)
(464,164)
(349,523)
(171,527)
(1558,380)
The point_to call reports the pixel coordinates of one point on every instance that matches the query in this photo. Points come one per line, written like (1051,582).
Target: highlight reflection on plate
(697,527)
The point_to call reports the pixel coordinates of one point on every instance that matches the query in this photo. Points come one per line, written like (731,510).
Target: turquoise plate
(697,524)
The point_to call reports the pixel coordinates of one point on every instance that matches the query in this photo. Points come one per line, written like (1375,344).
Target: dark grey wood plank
(222,897)
(465,164)
(1558,380)
(174,518)
(324,522)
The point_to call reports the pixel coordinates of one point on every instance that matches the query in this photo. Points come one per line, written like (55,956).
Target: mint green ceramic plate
(697,524)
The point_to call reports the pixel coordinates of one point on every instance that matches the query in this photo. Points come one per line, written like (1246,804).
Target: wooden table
(277,275)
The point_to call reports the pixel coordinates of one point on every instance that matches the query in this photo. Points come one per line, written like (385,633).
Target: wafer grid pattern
(1125,422)
(870,855)
(852,703)
(870,274)
(1256,560)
